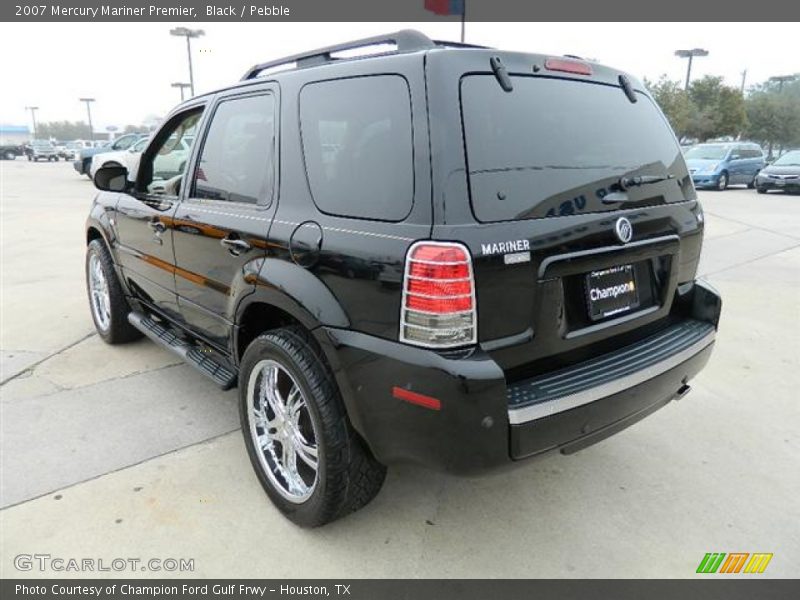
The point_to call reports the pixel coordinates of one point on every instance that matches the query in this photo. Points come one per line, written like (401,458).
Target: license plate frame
(611,292)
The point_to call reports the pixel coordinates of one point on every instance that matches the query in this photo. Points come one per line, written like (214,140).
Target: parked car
(126,158)
(783,174)
(83,161)
(73,148)
(41,150)
(719,165)
(170,165)
(548,258)
(11,151)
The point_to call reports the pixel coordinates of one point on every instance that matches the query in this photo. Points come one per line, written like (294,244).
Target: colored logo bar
(734,562)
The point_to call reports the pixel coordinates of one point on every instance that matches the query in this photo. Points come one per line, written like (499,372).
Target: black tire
(348,476)
(30,158)
(118,330)
(722,182)
(761,190)
(87,165)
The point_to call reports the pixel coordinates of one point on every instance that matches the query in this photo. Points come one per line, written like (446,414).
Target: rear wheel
(310,461)
(107,301)
(722,182)
(761,190)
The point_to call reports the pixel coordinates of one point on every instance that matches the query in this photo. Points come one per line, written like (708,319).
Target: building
(14,135)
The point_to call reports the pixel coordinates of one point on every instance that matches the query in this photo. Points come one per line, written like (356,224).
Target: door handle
(157,226)
(235,246)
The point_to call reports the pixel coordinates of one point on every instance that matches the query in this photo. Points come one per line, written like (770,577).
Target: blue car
(719,165)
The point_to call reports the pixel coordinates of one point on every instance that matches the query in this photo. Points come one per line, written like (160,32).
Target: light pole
(89,112)
(690,54)
(181,86)
(188,34)
(33,110)
(781,78)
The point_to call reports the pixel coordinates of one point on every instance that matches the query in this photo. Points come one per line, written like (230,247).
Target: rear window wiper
(625,183)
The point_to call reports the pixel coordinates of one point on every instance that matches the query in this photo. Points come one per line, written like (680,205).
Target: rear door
(540,182)
(220,228)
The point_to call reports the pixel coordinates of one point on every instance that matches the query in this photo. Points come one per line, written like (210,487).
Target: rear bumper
(482,422)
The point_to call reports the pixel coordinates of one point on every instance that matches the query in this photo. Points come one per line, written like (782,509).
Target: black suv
(438,254)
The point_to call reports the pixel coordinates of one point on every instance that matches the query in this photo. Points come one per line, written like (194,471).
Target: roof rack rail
(406,40)
(449,44)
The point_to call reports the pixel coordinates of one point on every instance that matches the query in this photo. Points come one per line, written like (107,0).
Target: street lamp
(690,54)
(181,86)
(188,34)
(89,112)
(781,78)
(33,110)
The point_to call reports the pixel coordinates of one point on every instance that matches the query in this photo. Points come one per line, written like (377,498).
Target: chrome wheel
(98,290)
(722,184)
(283,431)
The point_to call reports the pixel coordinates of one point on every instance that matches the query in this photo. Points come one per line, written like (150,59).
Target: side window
(357,143)
(164,163)
(238,154)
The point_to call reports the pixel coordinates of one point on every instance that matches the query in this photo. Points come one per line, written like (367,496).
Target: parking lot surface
(123,451)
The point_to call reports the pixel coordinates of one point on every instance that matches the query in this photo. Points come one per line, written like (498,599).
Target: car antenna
(501,73)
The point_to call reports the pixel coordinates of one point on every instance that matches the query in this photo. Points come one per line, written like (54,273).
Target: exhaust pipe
(682,391)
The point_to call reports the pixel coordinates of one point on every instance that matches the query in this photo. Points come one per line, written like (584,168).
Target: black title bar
(711,11)
(388,589)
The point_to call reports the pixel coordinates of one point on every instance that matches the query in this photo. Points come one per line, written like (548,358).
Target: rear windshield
(553,147)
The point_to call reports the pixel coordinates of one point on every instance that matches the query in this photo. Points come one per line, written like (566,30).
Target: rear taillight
(438,296)
(567,66)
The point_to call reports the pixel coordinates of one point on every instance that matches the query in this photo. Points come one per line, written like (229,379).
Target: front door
(144,217)
(220,228)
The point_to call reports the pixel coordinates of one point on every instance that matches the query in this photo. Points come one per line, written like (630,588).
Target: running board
(222,375)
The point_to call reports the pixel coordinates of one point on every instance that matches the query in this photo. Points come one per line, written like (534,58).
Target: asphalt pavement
(123,451)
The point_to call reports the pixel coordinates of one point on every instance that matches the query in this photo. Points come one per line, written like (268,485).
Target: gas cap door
(305,243)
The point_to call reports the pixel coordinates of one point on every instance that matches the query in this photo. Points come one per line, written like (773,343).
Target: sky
(128,67)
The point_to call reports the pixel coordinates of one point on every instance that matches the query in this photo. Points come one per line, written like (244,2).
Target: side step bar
(222,375)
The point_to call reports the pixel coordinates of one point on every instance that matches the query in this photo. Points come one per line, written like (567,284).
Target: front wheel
(722,182)
(761,190)
(107,301)
(310,461)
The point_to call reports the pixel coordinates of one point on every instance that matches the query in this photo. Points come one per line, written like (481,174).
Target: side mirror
(111,179)
(735,156)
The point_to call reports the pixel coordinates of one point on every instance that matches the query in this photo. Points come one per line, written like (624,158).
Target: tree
(674,102)
(63,130)
(718,109)
(774,113)
(134,129)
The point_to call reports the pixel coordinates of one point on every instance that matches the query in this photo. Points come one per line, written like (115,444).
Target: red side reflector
(418,399)
(567,66)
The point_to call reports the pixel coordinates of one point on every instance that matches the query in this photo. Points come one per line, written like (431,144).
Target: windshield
(555,147)
(790,159)
(707,152)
